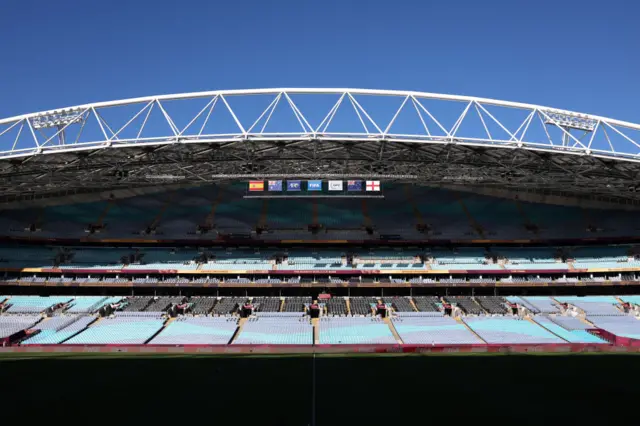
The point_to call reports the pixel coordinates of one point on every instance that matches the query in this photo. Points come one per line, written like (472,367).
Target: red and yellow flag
(256,185)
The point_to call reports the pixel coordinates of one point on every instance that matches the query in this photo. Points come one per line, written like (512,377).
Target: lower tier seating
(197,331)
(354,330)
(284,330)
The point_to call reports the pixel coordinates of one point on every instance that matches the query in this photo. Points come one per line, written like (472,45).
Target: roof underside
(395,136)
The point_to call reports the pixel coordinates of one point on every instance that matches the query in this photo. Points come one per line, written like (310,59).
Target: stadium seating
(135,304)
(361,305)
(492,304)
(427,330)
(58,329)
(399,304)
(336,306)
(201,305)
(427,303)
(34,304)
(266,304)
(87,304)
(466,303)
(119,330)
(295,304)
(594,305)
(500,330)
(541,304)
(624,326)
(278,330)
(354,330)
(567,329)
(228,305)
(197,331)
(11,324)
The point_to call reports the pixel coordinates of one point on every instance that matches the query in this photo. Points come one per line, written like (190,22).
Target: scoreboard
(297,188)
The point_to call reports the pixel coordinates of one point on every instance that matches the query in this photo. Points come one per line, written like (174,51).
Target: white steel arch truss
(292,131)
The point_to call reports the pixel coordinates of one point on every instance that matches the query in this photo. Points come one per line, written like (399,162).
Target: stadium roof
(426,138)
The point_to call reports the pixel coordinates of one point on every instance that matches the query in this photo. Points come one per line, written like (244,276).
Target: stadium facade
(316,219)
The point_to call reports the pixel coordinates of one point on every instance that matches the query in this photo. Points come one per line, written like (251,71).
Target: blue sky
(576,55)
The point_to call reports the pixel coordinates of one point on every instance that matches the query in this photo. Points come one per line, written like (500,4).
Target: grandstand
(481,323)
(300,252)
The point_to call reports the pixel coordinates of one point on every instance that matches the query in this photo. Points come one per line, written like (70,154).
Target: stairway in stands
(241,324)
(459,321)
(545,328)
(393,330)
(316,330)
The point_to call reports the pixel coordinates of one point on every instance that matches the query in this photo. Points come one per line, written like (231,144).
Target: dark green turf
(361,390)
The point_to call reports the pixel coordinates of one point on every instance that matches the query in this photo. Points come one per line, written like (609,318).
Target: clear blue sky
(580,55)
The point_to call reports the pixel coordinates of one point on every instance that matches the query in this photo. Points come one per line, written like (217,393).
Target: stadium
(319,222)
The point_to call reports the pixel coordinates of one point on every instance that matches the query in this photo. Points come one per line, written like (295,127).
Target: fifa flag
(293,185)
(335,185)
(314,185)
(354,185)
(373,185)
(275,185)
(256,185)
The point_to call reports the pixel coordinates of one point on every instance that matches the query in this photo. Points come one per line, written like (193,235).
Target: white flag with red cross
(373,185)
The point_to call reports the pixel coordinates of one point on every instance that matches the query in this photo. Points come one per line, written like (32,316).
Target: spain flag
(256,185)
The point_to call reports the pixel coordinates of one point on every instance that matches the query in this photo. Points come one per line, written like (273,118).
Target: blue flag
(314,185)
(275,185)
(293,185)
(354,185)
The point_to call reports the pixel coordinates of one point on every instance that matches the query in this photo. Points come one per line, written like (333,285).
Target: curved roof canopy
(426,138)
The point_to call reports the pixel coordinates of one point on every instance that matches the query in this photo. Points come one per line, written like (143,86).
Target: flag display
(335,185)
(293,185)
(314,185)
(256,185)
(275,185)
(373,185)
(354,185)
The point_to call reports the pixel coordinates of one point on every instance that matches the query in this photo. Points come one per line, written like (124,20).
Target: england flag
(373,185)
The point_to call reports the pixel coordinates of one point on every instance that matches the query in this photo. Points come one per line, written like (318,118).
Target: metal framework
(221,135)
